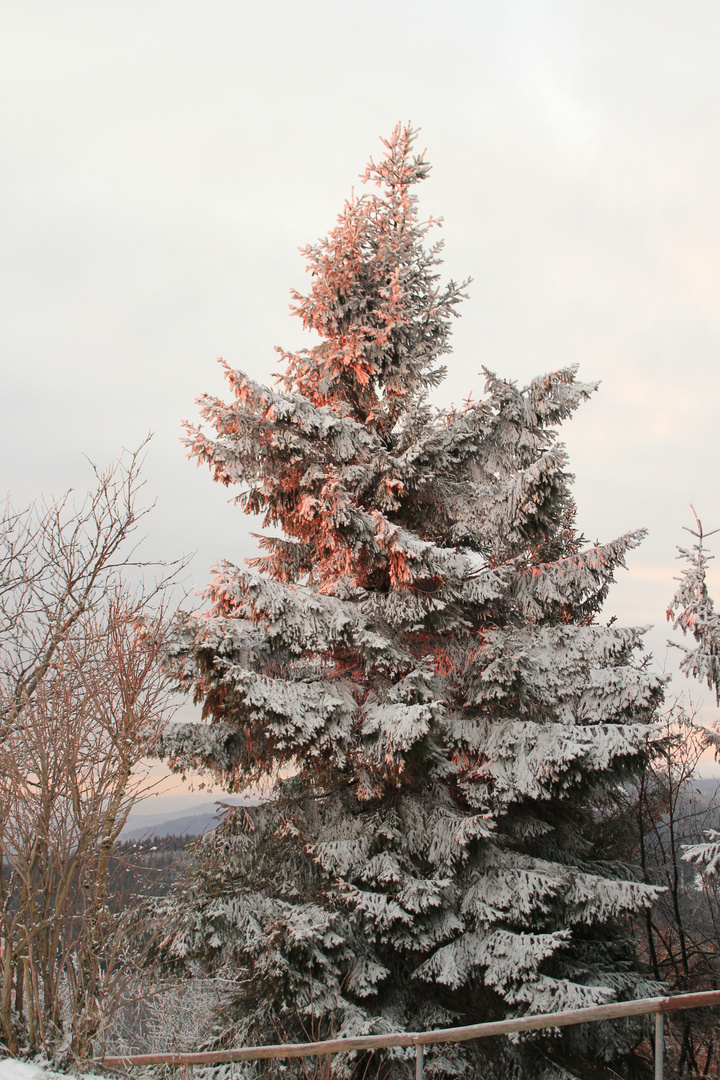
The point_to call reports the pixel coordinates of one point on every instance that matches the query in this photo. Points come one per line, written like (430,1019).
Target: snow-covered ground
(11,1069)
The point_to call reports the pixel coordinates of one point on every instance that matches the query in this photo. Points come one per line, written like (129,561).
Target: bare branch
(83,694)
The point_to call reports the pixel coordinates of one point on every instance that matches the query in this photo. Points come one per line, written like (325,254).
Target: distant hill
(194,822)
(708,786)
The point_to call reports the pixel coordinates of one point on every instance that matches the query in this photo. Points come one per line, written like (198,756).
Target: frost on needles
(415,665)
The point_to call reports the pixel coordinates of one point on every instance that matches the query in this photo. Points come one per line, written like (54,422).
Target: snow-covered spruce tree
(692,610)
(415,665)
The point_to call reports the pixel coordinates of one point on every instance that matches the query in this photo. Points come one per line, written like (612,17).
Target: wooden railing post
(659,1044)
(419,1061)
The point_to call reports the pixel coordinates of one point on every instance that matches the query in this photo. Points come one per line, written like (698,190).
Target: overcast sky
(164,160)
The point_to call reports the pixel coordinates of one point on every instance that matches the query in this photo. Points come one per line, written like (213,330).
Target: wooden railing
(420,1039)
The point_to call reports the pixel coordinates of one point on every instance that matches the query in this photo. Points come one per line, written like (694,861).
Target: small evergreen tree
(414,663)
(692,610)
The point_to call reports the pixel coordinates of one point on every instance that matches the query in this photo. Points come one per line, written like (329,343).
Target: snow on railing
(420,1039)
